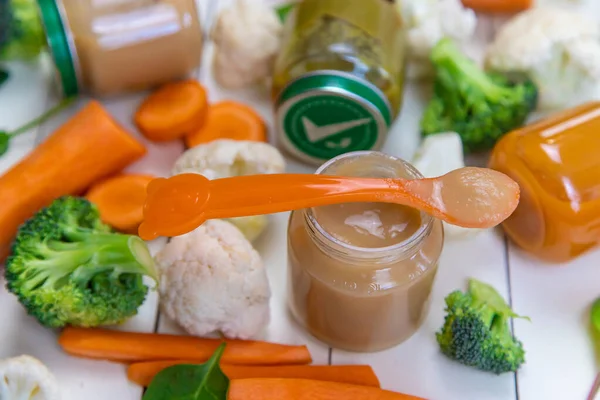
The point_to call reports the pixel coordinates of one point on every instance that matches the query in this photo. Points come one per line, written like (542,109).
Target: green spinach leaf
(191,382)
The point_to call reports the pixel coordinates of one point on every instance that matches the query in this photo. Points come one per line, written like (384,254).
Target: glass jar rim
(400,250)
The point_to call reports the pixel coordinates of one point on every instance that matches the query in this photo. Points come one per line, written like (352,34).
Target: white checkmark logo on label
(315,133)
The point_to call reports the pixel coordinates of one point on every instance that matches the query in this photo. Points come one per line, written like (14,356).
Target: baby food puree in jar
(360,274)
(107,47)
(556,162)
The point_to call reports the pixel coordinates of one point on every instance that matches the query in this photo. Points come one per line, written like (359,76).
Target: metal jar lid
(60,45)
(326,113)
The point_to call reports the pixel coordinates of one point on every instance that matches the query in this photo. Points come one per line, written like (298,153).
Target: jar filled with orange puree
(360,274)
(108,47)
(556,163)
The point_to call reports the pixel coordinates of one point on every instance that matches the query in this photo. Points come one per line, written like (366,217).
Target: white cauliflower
(558,48)
(247,38)
(438,155)
(225,158)
(26,378)
(212,279)
(428,21)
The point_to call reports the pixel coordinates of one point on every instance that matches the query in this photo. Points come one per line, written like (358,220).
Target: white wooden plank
(560,359)
(415,364)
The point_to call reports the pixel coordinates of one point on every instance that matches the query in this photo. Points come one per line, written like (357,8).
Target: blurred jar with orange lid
(556,162)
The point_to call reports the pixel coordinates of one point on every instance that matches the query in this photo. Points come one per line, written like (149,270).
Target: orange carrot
(143,373)
(88,147)
(306,389)
(120,200)
(229,120)
(498,6)
(172,111)
(134,347)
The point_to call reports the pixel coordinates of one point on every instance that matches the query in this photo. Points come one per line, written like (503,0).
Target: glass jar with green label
(338,80)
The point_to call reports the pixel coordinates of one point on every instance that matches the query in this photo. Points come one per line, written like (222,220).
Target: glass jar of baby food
(106,47)
(338,79)
(556,163)
(360,274)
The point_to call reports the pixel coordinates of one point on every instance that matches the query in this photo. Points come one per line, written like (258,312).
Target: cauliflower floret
(247,38)
(225,158)
(558,48)
(212,279)
(438,155)
(428,21)
(27,378)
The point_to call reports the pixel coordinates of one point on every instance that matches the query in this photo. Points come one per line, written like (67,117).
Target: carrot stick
(134,347)
(143,373)
(498,6)
(172,111)
(88,147)
(306,389)
(120,200)
(229,120)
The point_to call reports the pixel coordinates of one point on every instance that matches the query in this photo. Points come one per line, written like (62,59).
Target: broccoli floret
(67,267)
(479,106)
(476,330)
(21,31)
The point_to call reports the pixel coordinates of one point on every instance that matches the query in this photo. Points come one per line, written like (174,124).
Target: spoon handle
(273,193)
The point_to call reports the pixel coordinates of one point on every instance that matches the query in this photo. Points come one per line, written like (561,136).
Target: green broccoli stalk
(21,31)
(476,330)
(480,107)
(67,267)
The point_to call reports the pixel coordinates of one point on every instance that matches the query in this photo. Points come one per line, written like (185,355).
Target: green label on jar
(322,116)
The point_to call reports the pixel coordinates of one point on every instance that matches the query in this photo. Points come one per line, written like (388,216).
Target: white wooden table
(559,365)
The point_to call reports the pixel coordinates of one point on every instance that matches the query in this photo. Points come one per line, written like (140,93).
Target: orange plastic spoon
(469,197)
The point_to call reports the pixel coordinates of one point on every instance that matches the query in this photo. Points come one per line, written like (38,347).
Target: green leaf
(191,382)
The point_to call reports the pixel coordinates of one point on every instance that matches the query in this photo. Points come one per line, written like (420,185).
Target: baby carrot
(172,111)
(120,200)
(229,120)
(142,373)
(498,6)
(306,389)
(121,346)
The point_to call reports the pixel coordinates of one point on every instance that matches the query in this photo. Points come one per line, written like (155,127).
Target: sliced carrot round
(120,200)
(172,111)
(229,120)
